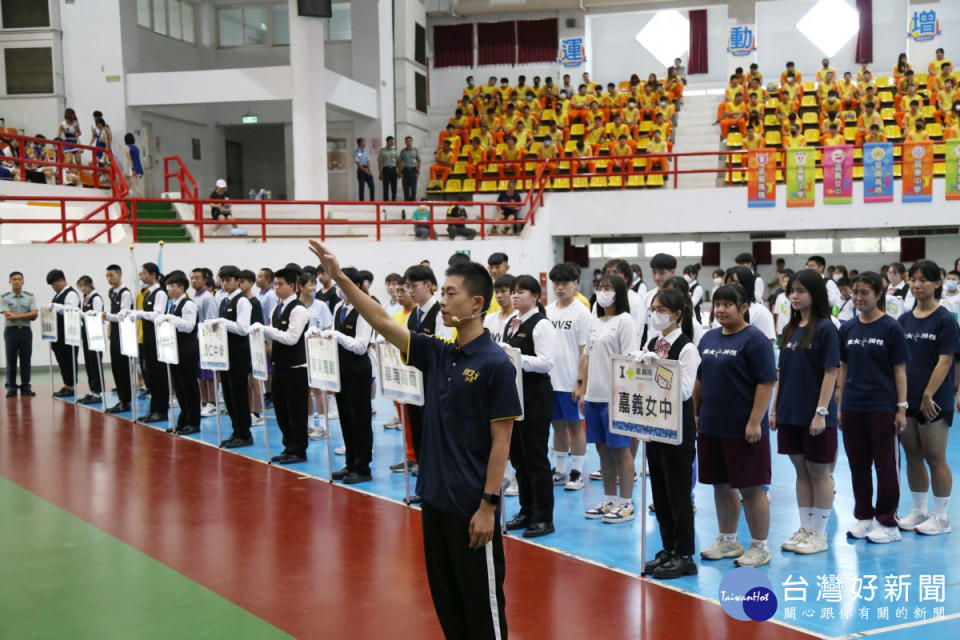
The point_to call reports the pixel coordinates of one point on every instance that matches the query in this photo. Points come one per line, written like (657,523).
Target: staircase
(695,131)
(147,232)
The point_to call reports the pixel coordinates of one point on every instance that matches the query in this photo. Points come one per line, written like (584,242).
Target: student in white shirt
(637,285)
(680,284)
(818,264)
(759,316)
(635,300)
(65,297)
(690,273)
(496,322)
(154,303)
(92,360)
(663,266)
(747,260)
(207,308)
(951,293)
(392,284)
(572,321)
(781,306)
(899,288)
(320,319)
(845,310)
(613,333)
(183,314)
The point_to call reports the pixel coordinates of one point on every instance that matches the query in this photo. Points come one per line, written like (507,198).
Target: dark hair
(305,279)
(531,284)
(734,293)
(312,270)
(931,271)
(366,276)
(458,258)
(269,273)
(901,62)
(504,282)
(663,261)
(152,268)
(294,266)
(128,138)
(675,300)
(353,275)
(692,270)
(289,276)
(228,271)
(248,275)
(844,282)
(420,273)
(744,257)
(114,267)
(842,269)
(85,281)
(564,272)
(176,277)
(621,304)
(15,273)
(498,258)
(818,260)
(873,280)
(745,278)
(898,266)
(476,280)
(393,277)
(819,308)
(622,266)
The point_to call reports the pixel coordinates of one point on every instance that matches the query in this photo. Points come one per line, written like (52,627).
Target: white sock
(940,506)
(819,519)
(728,537)
(611,499)
(509,471)
(806,518)
(760,543)
(919,501)
(576,463)
(625,501)
(560,461)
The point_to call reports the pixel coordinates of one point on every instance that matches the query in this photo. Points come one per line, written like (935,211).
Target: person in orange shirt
(471,91)
(869,95)
(512,158)
(732,90)
(833,137)
(951,131)
(875,134)
(476,155)
(617,128)
(655,146)
(461,125)
(945,100)
(579,105)
(867,118)
(937,63)
(905,81)
(549,153)
(733,113)
(673,84)
(577,162)
(918,133)
(494,125)
(825,71)
(443,164)
(848,92)
(786,74)
(751,141)
(594,135)
(632,116)
(610,99)
(900,69)
(449,135)
(790,94)
(620,151)
(936,81)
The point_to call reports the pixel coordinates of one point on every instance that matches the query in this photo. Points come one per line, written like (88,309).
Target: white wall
(36,209)
(263,157)
(921,53)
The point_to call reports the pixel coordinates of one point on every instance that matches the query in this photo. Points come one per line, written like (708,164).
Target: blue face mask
(951,285)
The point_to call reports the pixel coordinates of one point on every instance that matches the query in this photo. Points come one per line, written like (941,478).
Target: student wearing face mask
(951,293)
(717,281)
(933,342)
(898,288)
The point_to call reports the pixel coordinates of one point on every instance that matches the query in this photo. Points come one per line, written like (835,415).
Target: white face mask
(837,276)
(950,285)
(606,298)
(659,320)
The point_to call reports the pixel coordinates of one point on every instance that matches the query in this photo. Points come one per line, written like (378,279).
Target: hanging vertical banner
(761,178)
(878,172)
(917,171)
(801,176)
(838,174)
(952,153)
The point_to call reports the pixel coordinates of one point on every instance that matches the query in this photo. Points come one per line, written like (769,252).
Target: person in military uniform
(19,307)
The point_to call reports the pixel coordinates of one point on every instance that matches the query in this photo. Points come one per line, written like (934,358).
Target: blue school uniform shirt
(801,375)
(731,367)
(871,350)
(928,339)
(465,389)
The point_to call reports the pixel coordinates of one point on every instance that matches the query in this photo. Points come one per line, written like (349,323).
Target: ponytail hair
(676,301)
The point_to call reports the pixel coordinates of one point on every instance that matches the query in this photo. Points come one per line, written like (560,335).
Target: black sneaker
(662,557)
(676,567)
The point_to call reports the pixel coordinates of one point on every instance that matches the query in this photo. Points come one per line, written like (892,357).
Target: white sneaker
(208,410)
(560,479)
(513,489)
(576,481)
(933,526)
(756,556)
(882,535)
(340,451)
(722,549)
(860,529)
(255,420)
(596,475)
(317,434)
(600,511)
(798,537)
(914,519)
(332,414)
(174,403)
(813,543)
(623,513)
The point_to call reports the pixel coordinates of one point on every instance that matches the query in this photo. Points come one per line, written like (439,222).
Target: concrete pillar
(371,24)
(309,107)
(410,122)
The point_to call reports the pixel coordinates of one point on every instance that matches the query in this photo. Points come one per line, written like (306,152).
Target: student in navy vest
(182,312)
(201,281)
(353,335)
(932,339)
(65,297)
(531,332)
(289,357)
(92,360)
(471,403)
(154,304)
(246,281)
(121,300)
(671,466)
(234,313)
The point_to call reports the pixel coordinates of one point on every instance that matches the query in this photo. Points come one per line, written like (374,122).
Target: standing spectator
(101,137)
(680,69)
(69,132)
(364,176)
(134,167)
(387,164)
(508,212)
(409,163)
(19,308)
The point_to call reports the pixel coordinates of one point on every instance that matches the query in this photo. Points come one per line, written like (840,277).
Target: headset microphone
(458,319)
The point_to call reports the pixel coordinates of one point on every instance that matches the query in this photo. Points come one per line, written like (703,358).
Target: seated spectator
(457,212)
(918,133)
(849,92)
(442,166)
(791,69)
(421,213)
(549,153)
(476,154)
(734,113)
(621,152)
(875,134)
(223,209)
(866,119)
(578,164)
(509,211)
(655,146)
(751,141)
(833,137)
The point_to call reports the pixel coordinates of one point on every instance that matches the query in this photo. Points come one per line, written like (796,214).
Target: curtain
(698,42)
(761,253)
(711,255)
(497,43)
(453,45)
(913,249)
(864,51)
(537,40)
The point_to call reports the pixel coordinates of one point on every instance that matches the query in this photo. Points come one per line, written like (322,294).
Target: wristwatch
(492,498)
(822,411)
(903,405)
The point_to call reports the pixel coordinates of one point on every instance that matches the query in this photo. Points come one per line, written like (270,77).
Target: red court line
(315,560)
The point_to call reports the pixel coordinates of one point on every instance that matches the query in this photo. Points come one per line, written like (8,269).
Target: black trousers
(187,389)
(353,405)
(156,376)
(415,423)
(528,453)
(364,178)
(389,183)
(671,473)
(18,342)
(464,583)
(290,400)
(410,175)
(235,394)
(120,365)
(66,357)
(93,361)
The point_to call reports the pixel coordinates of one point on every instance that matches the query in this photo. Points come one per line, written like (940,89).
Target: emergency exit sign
(250,119)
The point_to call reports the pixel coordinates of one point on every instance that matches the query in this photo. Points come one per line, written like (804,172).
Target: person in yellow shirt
(557,135)
(632,116)
(734,112)
(494,125)
(864,75)
(618,128)
(795,139)
(663,126)
(522,136)
(594,136)
(550,153)
(530,121)
(449,135)
(471,91)
(579,105)
(620,151)
(866,119)
(443,164)
(790,94)
(827,85)
(901,68)
(487,141)
(610,99)
(754,120)
(490,88)
(751,142)
(832,104)
(827,120)
(791,68)
(505,89)
(756,88)
(588,83)
(918,133)
(510,120)
(902,100)
(596,112)
(461,124)
(937,63)
(787,123)
(532,105)
(951,131)
(833,137)
(754,74)
(849,93)
(908,119)
(476,155)
(673,85)
(905,81)
(667,109)
(754,106)
(512,158)
(655,146)
(578,162)
(732,90)
(522,86)
(945,100)
(825,71)
(875,134)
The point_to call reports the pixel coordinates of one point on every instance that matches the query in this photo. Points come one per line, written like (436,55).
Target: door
(340,174)
(146,158)
(234,159)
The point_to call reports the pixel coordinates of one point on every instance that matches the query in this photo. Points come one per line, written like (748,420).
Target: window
(144,13)
(255,29)
(25,14)
(260,25)
(420,44)
(28,70)
(810,246)
(781,247)
(420,91)
(691,249)
(175,31)
(651,249)
(620,250)
(338,26)
(860,245)
(231,30)
(890,245)
(160,16)
(281,24)
(188,19)
(173,18)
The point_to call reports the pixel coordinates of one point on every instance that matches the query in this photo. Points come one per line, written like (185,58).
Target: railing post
(263,221)
(134,221)
(378,221)
(198,218)
(676,168)
(63,219)
(483,226)
(432,235)
(323,224)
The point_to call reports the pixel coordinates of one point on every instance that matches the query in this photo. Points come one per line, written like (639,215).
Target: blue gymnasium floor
(618,546)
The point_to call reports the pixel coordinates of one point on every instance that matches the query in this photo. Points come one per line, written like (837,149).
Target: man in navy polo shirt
(471,404)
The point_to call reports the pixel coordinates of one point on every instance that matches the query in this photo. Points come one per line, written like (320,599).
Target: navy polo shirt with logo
(465,389)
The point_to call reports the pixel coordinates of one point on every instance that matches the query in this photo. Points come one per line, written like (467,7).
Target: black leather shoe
(675,567)
(340,475)
(520,521)
(89,399)
(355,478)
(662,556)
(186,430)
(413,500)
(153,416)
(27,391)
(235,442)
(120,407)
(11,393)
(277,457)
(63,393)
(291,458)
(537,529)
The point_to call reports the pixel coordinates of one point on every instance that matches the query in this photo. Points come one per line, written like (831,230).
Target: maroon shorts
(733,461)
(794,441)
